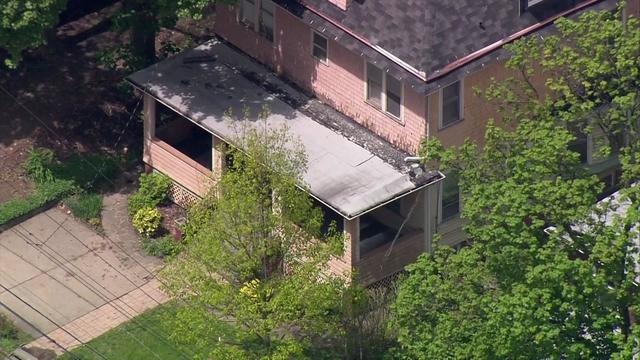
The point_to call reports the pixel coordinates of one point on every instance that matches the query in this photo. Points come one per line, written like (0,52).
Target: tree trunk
(144,27)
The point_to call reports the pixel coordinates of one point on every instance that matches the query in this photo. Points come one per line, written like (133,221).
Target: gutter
(458,63)
(438,177)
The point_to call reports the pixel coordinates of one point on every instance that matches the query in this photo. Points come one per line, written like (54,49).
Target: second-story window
(393,102)
(383,91)
(374,85)
(248,12)
(451,104)
(258,15)
(266,19)
(320,47)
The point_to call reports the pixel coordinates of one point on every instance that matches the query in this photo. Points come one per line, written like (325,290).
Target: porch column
(149,109)
(430,195)
(352,240)
(217,156)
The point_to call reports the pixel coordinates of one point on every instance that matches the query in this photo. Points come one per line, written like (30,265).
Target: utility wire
(86,161)
(91,287)
(86,284)
(121,310)
(53,341)
(100,355)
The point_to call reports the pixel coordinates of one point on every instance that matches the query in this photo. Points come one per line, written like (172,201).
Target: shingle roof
(425,34)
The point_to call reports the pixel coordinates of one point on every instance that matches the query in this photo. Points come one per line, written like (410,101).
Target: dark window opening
(184,136)
(320,44)
(451,104)
(450,197)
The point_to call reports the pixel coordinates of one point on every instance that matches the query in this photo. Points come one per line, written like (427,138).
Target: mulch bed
(172,214)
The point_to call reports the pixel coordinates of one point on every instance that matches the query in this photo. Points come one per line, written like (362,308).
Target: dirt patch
(62,87)
(172,216)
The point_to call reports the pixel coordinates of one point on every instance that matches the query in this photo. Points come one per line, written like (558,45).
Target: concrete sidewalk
(58,270)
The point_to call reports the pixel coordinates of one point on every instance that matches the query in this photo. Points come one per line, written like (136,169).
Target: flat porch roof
(205,86)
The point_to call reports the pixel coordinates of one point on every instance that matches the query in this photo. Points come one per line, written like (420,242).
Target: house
(382,75)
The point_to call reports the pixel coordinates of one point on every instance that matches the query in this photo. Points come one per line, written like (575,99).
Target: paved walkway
(60,273)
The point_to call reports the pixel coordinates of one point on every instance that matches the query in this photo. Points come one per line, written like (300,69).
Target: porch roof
(205,89)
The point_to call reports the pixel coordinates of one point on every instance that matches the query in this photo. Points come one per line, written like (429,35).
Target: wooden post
(430,215)
(149,117)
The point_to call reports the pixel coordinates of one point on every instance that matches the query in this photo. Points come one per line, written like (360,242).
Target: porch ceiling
(203,88)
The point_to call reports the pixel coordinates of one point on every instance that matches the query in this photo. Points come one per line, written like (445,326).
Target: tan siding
(181,169)
(377,265)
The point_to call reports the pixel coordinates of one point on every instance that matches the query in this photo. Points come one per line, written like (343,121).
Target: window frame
(313,46)
(441,219)
(441,124)
(383,93)
(273,20)
(256,25)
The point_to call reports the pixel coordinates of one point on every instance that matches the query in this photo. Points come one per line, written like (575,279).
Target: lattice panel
(387,282)
(181,196)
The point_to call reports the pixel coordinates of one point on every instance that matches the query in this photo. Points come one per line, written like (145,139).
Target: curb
(15,221)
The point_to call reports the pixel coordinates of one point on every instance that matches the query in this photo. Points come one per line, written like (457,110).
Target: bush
(86,206)
(147,221)
(165,246)
(45,192)
(153,190)
(38,165)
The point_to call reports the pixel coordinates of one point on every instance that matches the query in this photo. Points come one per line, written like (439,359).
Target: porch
(385,207)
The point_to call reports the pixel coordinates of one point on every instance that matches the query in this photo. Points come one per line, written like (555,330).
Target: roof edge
(459,62)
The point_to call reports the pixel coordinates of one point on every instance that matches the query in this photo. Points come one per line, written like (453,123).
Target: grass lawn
(10,336)
(121,343)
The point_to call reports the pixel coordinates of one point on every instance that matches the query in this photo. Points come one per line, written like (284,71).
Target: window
(374,85)
(451,104)
(248,12)
(394,96)
(593,148)
(450,203)
(383,91)
(319,47)
(258,15)
(266,19)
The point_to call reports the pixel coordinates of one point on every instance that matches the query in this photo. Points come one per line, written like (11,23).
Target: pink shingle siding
(339,82)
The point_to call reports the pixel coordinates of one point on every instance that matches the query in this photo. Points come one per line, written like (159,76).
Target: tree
(521,291)
(253,281)
(23,24)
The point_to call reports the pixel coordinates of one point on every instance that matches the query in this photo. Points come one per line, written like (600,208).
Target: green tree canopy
(23,24)
(253,280)
(523,290)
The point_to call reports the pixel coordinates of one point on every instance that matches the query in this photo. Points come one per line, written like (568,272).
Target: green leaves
(23,25)
(256,281)
(522,291)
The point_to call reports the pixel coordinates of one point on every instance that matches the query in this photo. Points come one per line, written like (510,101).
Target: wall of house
(339,82)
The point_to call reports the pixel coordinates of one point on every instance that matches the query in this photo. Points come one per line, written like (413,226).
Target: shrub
(147,221)
(45,192)
(165,246)
(86,206)
(38,165)
(153,190)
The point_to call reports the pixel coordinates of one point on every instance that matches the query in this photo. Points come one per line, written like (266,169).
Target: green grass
(44,193)
(86,206)
(120,342)
(10,336)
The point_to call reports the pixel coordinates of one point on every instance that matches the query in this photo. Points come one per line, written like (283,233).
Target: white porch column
(217,156)
(149,117)
(352,240)
(430,215)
